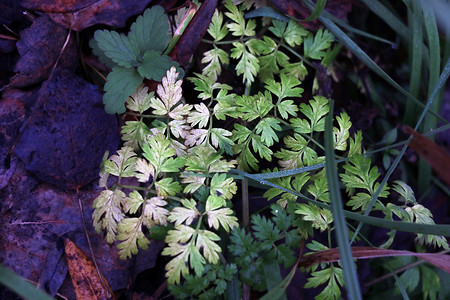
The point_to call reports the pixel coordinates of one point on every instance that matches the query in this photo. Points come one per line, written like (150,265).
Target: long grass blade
(424,176)
(337,208)
(358,52)
(389,18)
(20,286)
(416,56)
(442,80)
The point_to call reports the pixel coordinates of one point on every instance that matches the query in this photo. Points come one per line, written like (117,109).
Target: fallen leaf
(432,153)
(69,132)
(441,261)
(88,282)
(39,47)
(34,217)
(79,15)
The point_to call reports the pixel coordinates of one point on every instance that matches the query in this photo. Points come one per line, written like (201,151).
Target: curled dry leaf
(85,277)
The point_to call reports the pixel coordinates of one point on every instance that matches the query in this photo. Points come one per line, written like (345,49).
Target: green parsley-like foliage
(181,155)
(271,239)
(133,57)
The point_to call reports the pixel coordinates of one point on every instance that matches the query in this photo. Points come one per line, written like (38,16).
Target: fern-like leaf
(131,235)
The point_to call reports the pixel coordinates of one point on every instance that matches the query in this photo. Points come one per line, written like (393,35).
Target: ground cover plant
(187,165)
(260,165)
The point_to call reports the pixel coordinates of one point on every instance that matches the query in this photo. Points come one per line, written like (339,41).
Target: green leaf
(355,144)
(332,276)
(315,111)
(144,170)
(206,243)
(297,70)
(167,186)
(139,101)
(107,213)
(158,152)
(216,28)
(253,107)
(259,146)
(341,134)
(245,159)
(214,59)
(432,285)
(101,55)
(200,116)
(421,215)
(287,107)
(300,154)
(266,128)
(186,214)
(248,64)
(219,140)
(206,160)
(287,88)
(223,186)
(177,247)
(359,174)
(122,164)
(131,235)
(410,279)
(117,47)
(154,212)
(241,133)
(122,82)
(314,47)
(320,218)
(150,32)
(319,189)
(293,33)
(405,191)
(154,65)
(134,134)
(133,202)
(238,27)
(206,85)
(265,230)
(270,59)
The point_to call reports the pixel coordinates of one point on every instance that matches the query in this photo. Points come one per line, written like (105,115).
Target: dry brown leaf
(441,261)
(85,278)
(432,153)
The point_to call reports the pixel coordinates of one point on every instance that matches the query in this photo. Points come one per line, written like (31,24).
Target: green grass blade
(442,80)
(358,52)
(20,286)
(267,11)
(318,8)
(337,208)
(416,55)
(424,176)
(436,229)
(389,18)
(399,283)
